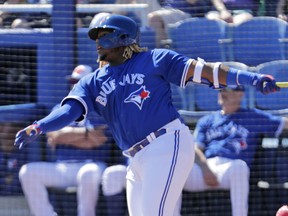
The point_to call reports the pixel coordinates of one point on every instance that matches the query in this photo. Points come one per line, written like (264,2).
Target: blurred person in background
(131,14)
(170,13)
(124,12)
(226,143)
(83,19)
(23,19)
(233,11)
(14,84)
(282,10)
(81,152)
(11,159)
(15,20)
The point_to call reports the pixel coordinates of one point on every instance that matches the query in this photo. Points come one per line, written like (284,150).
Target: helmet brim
(93,33)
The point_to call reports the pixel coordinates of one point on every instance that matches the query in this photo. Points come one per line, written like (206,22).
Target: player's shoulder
(160,55)
(252,112)
(209,118)
(263,114)
(91,78)
(162,51)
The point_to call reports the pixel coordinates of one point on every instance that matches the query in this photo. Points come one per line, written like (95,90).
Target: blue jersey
(236,135)
(127,94)
(70,153)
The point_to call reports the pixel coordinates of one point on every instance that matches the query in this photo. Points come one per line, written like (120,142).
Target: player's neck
(117,62)
(226,110)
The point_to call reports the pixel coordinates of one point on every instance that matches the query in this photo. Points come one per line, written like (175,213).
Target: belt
(140,145)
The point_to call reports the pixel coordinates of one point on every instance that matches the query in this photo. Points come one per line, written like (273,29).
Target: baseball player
(81,151)
(226,142)
(132,93)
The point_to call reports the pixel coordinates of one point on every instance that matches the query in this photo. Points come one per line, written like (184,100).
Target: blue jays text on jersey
(127,94)
(233,136)
(109,86)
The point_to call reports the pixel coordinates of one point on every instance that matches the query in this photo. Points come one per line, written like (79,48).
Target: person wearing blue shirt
(226,142)
(11,159)
(132,92)
(81,151)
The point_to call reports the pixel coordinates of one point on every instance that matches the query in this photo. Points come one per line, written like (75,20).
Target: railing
(140,9)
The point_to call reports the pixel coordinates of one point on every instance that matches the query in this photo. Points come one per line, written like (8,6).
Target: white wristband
(215,75)
(198,70)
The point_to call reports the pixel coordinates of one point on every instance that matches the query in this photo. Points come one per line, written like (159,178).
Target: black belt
(137,147)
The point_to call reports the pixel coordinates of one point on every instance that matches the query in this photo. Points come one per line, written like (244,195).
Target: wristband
(34,129)
(239,77)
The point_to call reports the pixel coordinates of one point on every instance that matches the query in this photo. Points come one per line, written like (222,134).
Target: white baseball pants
(37,176)
(232,175)
(156,174)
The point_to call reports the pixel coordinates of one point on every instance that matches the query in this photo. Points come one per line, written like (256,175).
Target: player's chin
(102,57)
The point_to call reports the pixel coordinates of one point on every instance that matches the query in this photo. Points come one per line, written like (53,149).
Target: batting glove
(265,84)
(27,135)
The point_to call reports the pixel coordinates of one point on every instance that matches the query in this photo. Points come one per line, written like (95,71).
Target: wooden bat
(282,84)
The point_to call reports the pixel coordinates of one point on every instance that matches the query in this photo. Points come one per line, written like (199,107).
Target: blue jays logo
(138,97)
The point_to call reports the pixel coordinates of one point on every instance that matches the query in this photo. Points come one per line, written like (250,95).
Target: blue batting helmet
(125,31)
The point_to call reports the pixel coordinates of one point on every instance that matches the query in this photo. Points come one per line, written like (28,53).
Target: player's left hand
(265,84)
(27,135)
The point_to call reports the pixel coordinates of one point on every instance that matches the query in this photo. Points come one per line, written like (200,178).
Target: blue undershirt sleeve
(61,117)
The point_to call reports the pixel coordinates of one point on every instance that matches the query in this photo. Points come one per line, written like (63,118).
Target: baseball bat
(282,84)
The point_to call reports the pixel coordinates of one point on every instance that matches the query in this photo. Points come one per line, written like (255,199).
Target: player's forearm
(79,137)
(212,71)
(219,5)
(200,158)
(85,142)
(204,70)
(61,117)
(67,135)
(219,75)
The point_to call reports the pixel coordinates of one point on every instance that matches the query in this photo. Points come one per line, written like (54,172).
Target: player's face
(113,55)
(230,98)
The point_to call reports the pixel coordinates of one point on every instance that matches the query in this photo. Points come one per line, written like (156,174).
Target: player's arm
(285,126)
(80,137)
(200,159)
(219,75)
(57,119)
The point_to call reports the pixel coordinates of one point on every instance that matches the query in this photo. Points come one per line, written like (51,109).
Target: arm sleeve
(61,117)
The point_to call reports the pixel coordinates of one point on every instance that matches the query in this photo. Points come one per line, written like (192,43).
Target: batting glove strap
(27,135)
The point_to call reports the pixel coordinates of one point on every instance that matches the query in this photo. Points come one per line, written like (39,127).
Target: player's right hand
(265,84)
(27,135)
